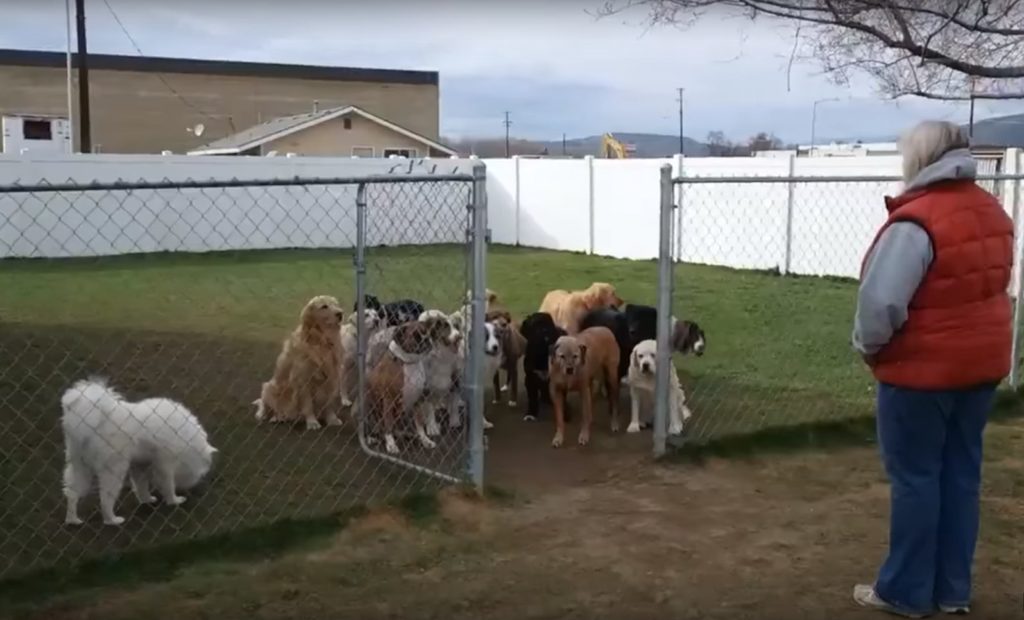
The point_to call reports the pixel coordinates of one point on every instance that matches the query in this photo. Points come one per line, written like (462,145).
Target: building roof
(286,125)
(152,64)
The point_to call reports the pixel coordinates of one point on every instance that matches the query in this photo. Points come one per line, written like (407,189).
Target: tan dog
(398,382)
(307,377)
(513,347)
(568,308)
(576,362)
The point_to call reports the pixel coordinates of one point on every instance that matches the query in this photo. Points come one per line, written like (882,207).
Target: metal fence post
(515,163)
(1018,244)
(790,190)
(359,260)
(678,192)
(475,360)
(664,354)
(590,202)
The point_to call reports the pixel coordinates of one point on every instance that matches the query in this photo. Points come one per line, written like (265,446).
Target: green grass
(205,329)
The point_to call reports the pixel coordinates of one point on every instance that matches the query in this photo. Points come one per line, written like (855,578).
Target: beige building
(343,131)
(148,105)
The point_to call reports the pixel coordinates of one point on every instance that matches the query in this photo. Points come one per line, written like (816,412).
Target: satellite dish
(199,129)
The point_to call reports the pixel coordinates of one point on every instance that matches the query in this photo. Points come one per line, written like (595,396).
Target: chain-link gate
(200,294)
(801,239)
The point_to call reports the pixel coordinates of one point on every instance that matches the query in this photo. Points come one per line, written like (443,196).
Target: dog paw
(487,424)
(148,500)
(390,445)
(512,403)
(504,388)
(675,430)
(433,428)
(312,425)
(615,426)
(557,441)
(73,521)
(529,418)
(634,427)
(346,402)
(334,421)
(426,442)
(115,520)
(583,439)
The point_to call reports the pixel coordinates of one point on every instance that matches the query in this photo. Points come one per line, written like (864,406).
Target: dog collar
(402,355)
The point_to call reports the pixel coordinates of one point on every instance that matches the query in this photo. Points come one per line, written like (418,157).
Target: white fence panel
(626,198)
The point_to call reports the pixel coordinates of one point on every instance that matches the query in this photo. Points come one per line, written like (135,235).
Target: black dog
(394,312)
(686,336)
(618,324)
(540,332)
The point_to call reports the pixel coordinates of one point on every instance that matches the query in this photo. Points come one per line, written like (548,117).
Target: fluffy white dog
(642,377)
(156,441)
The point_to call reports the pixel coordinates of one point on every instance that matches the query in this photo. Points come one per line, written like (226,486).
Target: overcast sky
(551,64)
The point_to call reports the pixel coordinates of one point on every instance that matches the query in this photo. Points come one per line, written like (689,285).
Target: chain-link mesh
(778,350)
(224,299)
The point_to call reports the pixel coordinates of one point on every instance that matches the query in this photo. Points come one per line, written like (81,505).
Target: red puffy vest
(959,330)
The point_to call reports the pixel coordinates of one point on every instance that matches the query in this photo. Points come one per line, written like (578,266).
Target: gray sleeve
(892,273)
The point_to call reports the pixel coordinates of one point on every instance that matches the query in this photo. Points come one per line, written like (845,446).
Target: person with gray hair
(934,324)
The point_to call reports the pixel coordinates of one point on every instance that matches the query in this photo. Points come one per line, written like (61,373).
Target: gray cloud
(556,68)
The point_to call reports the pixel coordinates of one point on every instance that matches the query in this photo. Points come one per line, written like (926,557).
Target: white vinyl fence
(603,207)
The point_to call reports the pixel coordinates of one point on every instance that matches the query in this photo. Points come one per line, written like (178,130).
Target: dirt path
(605,535)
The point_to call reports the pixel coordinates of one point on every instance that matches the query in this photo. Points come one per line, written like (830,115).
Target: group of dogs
(582,341)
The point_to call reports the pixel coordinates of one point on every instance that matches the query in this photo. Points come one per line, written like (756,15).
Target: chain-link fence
(228,299)
(778,340)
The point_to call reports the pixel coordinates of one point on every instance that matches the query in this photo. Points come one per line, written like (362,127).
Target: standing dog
(642,379)
(396,384)
(443,365)
(540,333)
(307,377)
(372,323)
(513,347)
(567,309)
(576,363)
(106,437)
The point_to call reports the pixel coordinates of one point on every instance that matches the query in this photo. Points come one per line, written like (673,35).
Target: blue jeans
(931,444)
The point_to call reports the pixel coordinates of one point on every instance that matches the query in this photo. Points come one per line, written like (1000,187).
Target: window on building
(347,123)
(363,151)
(36,130)
(407,153)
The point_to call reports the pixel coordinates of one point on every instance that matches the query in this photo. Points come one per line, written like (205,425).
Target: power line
(159,76)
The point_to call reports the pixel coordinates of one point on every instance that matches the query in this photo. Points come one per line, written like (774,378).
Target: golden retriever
(568,308)
(307,377)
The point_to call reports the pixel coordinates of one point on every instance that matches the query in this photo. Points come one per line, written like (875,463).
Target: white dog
(372,324)
(641,379)
(106,437)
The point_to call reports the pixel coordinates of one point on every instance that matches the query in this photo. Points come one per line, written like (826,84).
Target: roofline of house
(277,135)
(153,64)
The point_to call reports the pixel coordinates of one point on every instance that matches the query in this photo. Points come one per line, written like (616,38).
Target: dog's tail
(90,397)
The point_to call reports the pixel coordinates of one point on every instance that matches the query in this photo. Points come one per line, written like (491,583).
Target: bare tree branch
(938,49)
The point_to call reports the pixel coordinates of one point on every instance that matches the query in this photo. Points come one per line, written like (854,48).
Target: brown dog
(576,362)
(307,377)
(513,347)
(568,308)
(396,385)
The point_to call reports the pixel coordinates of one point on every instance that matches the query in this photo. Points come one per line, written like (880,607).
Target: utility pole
(563,144)
(508,124)
(85,130)
(682,142)
(970,123)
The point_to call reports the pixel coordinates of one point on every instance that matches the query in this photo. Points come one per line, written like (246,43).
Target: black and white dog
(685,336)
(394,312)
(540,332)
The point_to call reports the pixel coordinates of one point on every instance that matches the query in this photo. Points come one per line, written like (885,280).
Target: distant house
(347,131)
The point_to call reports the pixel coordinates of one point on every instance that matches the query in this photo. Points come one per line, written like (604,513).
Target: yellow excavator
(613,149)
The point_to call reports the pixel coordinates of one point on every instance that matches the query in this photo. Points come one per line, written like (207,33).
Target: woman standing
(934,323)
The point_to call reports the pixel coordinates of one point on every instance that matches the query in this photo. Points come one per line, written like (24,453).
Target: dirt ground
(601,532)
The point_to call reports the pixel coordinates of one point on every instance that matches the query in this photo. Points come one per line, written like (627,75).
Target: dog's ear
(210,450)
(634,358)
(552,350)
(583,354)
(681,336)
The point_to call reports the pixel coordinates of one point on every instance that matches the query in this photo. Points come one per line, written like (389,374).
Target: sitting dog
(686,336)
(513,347)
(106,437)
(394,312)
(397,383)
(642,378)
(443,365)
(372,323)
(567,308)
(540,334)
(576,363)
(307,376)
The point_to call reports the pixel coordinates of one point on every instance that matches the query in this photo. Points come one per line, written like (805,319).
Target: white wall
(92,223)
(605,207)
